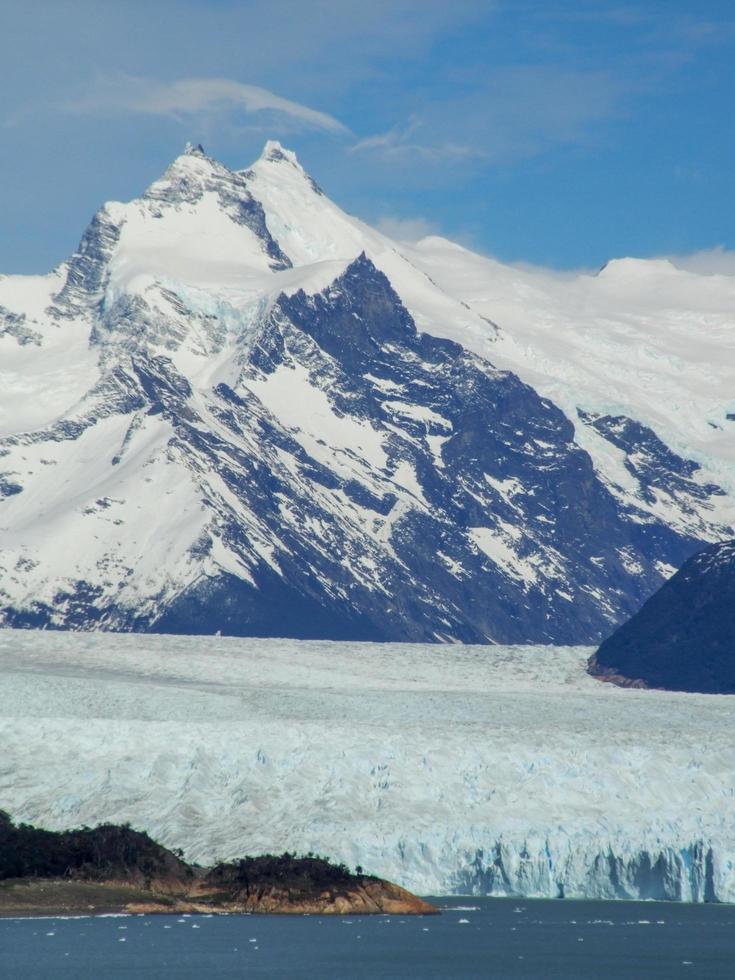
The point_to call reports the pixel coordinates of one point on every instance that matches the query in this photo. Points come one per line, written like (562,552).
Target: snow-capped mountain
(236,408)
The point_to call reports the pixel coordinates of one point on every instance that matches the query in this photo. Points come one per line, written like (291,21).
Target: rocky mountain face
(237,409)
(683,638)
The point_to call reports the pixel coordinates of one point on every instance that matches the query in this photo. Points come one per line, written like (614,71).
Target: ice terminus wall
(474,770)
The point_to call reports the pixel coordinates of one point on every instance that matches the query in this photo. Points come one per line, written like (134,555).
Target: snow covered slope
(640,338)
(236,408)
(468,769)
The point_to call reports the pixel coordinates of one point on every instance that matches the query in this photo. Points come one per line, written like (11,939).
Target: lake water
(474,938)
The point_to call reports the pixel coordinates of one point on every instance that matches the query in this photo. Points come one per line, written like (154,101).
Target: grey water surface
(502,939)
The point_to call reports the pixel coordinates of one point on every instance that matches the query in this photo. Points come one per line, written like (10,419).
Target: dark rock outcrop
(683,638)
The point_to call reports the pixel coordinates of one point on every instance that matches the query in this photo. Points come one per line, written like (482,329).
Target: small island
(113,868)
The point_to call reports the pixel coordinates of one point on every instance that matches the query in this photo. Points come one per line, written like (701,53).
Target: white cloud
(188,97)
(505,114)
(406,229)
(402,141)
(717,261)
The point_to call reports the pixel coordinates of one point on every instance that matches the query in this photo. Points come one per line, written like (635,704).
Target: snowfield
(449,769)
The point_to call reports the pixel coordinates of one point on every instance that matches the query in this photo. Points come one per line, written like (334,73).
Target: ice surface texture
(475,769)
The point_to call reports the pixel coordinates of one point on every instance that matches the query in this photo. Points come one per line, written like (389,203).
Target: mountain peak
(275,153)
(194,150)
(289,170)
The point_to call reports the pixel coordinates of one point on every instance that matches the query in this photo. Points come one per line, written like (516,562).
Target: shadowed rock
(683,638)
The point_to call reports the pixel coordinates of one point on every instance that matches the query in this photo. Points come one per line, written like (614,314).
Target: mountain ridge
(332,462)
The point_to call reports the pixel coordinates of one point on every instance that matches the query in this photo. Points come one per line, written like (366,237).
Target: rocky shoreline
(114,869)
(20,898)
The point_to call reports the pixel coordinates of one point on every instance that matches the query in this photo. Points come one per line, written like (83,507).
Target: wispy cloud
(195,97)
(406,229)
(717,261)
(623,14)
(507,114)
(408,140)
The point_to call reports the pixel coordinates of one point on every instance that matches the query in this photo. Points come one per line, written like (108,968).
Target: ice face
(466,769)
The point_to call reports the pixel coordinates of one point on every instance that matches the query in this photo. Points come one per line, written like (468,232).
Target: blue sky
(556,132)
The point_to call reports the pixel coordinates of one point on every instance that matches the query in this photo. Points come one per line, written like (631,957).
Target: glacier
(451,769)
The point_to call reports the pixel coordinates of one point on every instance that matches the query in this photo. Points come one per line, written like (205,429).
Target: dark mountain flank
(683,638)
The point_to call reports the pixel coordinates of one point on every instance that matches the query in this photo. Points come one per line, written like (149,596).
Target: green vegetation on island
(114,866)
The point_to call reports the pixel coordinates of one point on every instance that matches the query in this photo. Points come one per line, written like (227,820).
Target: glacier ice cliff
(450,769)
